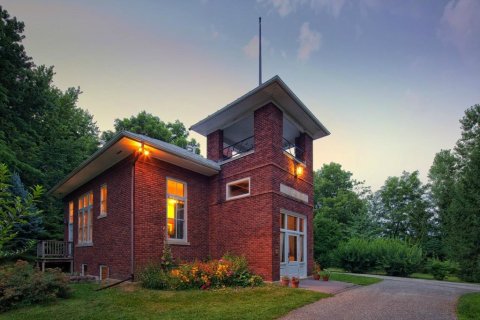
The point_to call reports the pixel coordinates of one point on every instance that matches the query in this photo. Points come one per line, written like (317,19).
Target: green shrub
(439,269)
(393,256)
(21,284)
(398,258)
(356,255)
(230,271)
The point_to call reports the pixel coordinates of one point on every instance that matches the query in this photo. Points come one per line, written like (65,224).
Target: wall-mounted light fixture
(143,151)
(298,169)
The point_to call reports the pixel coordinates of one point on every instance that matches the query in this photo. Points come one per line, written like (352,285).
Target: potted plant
(325,274)
(285,281)
(295,282)
(316,271)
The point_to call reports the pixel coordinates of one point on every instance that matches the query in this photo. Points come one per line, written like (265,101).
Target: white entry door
(293,245)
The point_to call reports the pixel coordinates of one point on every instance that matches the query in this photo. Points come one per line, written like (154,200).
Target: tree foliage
(15,210)
(43,133)
(150,125)
(403,208)
(340,212)
(455,179)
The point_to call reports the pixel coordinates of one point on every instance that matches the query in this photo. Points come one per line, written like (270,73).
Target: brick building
(252,195)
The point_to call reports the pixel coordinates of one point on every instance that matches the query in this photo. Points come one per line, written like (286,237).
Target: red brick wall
(250,225)
(215,141)
(110,235)
(150,212)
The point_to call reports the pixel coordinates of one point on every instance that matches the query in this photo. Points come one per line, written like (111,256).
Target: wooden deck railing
(50,249)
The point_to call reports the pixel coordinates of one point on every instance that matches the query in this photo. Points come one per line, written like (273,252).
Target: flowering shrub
(21,284)
(229,271)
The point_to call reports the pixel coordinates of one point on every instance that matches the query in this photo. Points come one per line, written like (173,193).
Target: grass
(133,302)
(416,275)
(359,280)
(428,276)
(469,307)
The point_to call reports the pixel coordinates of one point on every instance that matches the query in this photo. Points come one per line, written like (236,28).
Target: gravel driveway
(392,299)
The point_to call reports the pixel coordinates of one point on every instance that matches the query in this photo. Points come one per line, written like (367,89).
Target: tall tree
(455,178)
(340,211)
(43,133)
(15,210)
(404,210)
(147,124)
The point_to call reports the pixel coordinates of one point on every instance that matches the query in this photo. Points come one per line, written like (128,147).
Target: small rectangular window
(104,273)
(238,189)
(103,200)
(84,270)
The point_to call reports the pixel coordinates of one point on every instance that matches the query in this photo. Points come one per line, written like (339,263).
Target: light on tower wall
(298,170)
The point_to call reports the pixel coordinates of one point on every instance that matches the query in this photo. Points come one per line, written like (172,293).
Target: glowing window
(85,213)
(176,210)
(103,200)
(238,189)
(70,212)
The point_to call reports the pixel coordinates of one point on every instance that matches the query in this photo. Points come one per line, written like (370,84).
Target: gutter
(132,219)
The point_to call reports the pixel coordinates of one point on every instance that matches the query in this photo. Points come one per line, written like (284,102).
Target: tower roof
(275,91)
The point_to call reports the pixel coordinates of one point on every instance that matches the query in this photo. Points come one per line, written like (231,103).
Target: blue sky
(390,79)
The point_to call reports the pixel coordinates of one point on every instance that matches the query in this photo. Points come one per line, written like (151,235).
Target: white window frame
(103,214)
(81,213)
(295,232)
(227,189)
(184,240)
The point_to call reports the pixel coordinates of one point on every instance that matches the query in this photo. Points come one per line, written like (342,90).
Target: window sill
(178,242)
(80,245)
(104,215)
(238,197)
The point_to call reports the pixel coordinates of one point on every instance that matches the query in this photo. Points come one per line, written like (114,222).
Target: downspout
(132,216)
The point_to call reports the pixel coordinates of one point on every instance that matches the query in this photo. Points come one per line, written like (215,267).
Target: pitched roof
(274,90)
(123,145)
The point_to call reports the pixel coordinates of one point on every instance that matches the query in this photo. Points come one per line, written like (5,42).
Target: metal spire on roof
(260,51)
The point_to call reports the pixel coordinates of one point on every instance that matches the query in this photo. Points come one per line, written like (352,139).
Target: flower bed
(230,271)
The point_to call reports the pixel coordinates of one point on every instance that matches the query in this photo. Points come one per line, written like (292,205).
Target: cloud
(251,48)
(460,26)
(310,41)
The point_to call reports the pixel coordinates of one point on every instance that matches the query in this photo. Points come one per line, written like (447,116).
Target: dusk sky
(389,79)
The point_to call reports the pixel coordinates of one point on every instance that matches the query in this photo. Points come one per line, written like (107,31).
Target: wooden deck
(50,251)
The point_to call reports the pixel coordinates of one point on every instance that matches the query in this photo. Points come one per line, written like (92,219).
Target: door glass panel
(300,249)
(292,248)
(292,223)
(282,246)
(282,221)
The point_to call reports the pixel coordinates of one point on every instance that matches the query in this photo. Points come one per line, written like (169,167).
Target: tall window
(176,209)
(70,212)
(85,213)
(103,200)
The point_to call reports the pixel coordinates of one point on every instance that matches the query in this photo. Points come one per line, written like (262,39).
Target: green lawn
(345,277)
(469,307)
(266,302)
(428,276)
